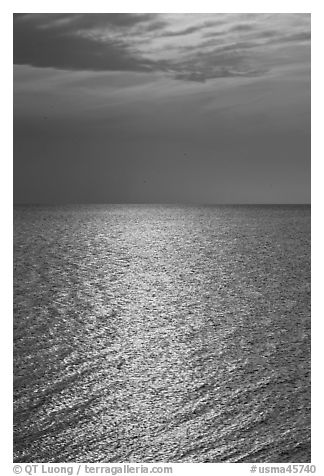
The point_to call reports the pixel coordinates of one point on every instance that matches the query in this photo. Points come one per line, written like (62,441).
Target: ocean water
(162,334)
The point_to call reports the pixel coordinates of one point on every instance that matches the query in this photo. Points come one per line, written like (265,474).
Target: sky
(162,108)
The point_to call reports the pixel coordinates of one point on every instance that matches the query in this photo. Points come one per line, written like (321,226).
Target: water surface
(162,334)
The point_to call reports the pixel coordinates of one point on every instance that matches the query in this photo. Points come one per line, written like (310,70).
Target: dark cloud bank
(76,42)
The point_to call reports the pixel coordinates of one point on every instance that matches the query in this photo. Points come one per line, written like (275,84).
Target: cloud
(242,27)
(136,42)
(295,38)
(202,76)
(193,29)
(79,21)
(224,62)
(186,31)
(56,41)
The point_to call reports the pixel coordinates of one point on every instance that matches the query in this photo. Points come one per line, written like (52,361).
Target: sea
(162,333)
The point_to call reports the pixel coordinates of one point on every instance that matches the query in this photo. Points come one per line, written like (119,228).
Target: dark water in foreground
(162,334)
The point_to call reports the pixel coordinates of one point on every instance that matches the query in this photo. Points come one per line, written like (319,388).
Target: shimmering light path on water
(162,334)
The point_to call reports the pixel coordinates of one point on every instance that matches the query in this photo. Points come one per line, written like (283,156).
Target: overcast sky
(190,108)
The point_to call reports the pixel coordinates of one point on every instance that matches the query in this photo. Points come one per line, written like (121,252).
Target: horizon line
(164,203)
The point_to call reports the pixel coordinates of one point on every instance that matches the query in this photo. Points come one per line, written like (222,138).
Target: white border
(230,6)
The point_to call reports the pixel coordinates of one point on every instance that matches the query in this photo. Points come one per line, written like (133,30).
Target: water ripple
(161,334)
